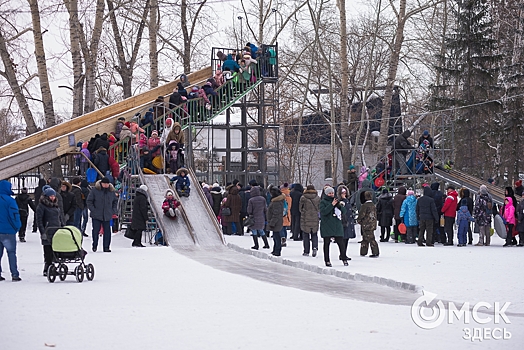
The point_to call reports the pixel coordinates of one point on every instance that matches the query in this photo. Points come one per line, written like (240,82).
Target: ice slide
(197,226)
(470,182)
(41,147)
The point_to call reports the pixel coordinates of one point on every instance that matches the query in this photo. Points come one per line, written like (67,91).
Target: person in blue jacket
(9,225)
(183,184)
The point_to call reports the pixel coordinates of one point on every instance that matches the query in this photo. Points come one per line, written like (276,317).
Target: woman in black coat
(48,220)
(38,193)
(296,193)
(140,215)
(385,211)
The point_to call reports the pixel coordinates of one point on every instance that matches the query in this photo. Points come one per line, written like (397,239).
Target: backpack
(489,206)
(285,208)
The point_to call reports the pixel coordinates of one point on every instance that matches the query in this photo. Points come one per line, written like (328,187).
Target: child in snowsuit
(173,156)
(463,219)
(182,182)
(170,204)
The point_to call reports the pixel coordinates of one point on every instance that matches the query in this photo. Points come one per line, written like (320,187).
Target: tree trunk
(344,91)
(185,33)
(47,97)
(10,75)
(153,50)
(90,53)
(76,55)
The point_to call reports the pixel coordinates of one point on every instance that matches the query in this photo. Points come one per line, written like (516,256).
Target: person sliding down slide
(182,182)
(170,204)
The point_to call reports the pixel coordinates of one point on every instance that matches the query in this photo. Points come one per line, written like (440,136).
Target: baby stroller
(67,249)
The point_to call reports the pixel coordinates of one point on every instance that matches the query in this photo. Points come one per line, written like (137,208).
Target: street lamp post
(276,32)
(240,18)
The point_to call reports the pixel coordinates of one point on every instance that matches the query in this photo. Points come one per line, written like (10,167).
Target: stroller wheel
(62,272)
(79,273)
(51,273)
(90,272)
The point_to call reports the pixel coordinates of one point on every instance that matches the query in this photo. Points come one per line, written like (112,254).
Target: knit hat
(411,192)
(216,185)
(49,192)
(351,167)
(253,183)
(105,180)
(85,144)
(194,89)
(483,189)
(154,132)
(450,187)
(169,192)
(76,180)
(463,202)
(385,190)
(425,133)
(518,183)
(143,187)
(128,124)
(329,190)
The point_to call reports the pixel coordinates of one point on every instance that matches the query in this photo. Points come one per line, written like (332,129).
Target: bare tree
(9,73)
(402,16)
(47,97)
(126,65)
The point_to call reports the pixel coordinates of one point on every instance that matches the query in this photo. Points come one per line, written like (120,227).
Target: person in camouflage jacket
(367,218)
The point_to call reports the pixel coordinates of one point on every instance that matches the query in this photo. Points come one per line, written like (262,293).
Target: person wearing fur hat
(24,202)
(385,211)
(309,219)
(367,218)
(275,212)
(216,194)
(139,216)
(207,192)
(182,183)
(170,204)
(49,220)
(68,200)
(102,203)
(331,211)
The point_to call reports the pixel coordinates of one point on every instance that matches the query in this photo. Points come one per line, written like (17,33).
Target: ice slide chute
(197,224)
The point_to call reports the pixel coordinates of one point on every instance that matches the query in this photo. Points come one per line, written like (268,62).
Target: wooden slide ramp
(41,147)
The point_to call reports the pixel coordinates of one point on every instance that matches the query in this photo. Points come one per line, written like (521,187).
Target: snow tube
(500,228)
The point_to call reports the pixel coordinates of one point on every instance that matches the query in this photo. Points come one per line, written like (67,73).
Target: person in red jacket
(449,211)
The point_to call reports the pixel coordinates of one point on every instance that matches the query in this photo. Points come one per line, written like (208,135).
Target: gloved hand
(66,217)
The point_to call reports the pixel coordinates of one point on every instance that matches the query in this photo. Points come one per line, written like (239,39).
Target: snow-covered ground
(157,298)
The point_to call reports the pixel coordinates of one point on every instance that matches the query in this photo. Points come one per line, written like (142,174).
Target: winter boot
(266,243)
(284,242)
(255,240)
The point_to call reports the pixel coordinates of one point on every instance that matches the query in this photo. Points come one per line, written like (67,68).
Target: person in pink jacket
(509,218)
